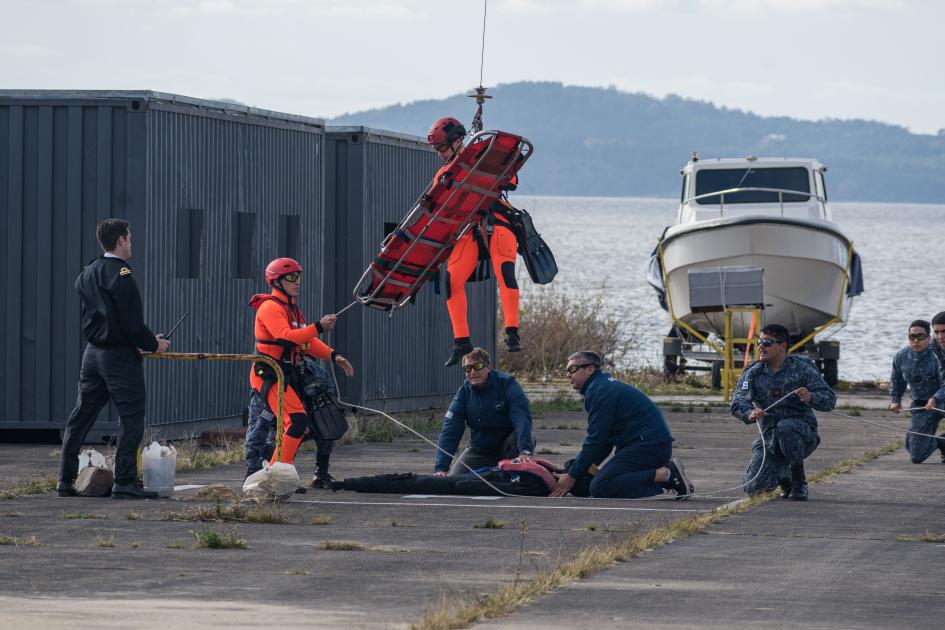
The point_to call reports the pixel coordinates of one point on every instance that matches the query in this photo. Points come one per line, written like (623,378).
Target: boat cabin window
(795,178)
(685,186)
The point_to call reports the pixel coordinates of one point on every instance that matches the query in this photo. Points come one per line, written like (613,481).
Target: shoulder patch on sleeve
(449,415)
(124,271)
(745,384)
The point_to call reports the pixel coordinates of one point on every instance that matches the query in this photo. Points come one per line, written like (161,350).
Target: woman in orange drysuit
(446,135)
(282,333)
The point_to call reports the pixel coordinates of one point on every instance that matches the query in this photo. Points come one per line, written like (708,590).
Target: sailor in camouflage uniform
(918,367)
(789,428)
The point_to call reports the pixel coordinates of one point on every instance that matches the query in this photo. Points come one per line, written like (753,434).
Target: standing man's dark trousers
(116,373)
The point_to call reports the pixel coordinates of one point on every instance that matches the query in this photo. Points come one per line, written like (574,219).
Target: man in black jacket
(113,325)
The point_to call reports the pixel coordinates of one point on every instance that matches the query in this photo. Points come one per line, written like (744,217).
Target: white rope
(891,428)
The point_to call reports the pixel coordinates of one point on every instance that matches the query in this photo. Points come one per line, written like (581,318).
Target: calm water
(606,242)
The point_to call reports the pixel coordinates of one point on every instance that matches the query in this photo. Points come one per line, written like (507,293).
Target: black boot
(66,489)
(322,479)
(785,485)
(461,347)
(798,483)
(678,482)
(512,341)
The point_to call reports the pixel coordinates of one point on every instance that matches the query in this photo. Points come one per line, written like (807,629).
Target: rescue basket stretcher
(411,254)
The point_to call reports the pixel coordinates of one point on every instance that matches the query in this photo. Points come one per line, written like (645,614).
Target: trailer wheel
(830,372)
(716,375)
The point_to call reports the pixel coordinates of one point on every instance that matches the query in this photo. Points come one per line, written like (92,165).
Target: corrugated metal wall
(375,178)
(213,192)
(65,164)
(220,188)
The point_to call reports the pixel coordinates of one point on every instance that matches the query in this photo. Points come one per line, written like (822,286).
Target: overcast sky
(811,59)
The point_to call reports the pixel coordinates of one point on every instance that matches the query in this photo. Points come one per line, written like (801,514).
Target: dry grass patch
(192,456)
(7,540)
(68,516)
(103,541)
(235,513)
(321,519)
(552,319)
(490,523)
(927,537)
(377,428)
(132,516)
(30,541)
(211,539)
(32,486)
(343,545)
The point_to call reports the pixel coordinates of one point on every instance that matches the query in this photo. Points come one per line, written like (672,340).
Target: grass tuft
(343,545)
(32,486)
(377,428)
(79,516)
(490,523)
(175,544)
(7,540)
(927,537)
(102,541)
(321,519)
(211,539)
(228,513)
(132,516)
(32,541)
(192,456)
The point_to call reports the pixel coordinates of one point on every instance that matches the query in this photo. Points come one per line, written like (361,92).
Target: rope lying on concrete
(891,428)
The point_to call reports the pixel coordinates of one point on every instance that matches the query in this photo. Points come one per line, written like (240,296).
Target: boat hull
(805,268)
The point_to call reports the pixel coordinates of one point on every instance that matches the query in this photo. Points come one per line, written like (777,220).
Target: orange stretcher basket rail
(412,254)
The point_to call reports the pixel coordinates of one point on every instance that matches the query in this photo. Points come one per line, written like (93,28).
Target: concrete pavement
(411,553)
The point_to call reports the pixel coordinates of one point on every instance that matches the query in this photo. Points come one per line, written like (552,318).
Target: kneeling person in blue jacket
(621,417)
(496,410)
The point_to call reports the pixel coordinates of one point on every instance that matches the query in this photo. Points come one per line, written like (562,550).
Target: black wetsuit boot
(322,479)
(785,485)
(798,483)
(461,347)
(512,341)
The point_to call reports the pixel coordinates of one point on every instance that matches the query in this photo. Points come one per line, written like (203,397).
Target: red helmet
(281,266)
(446,129)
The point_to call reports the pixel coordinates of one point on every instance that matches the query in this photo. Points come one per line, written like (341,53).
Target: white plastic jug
(159,464)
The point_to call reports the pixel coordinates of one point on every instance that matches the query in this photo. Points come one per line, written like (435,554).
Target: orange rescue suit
(278,318)
(464,258)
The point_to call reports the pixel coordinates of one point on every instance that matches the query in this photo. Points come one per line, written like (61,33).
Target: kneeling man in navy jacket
(621,417)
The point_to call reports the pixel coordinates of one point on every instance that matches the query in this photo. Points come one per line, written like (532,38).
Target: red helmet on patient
(446,129)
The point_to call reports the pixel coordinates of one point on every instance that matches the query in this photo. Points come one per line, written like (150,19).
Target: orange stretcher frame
(411,254)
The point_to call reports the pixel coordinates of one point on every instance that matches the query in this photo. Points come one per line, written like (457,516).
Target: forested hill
(603,142)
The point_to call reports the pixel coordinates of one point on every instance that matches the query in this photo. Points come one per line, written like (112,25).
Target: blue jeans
(631,472)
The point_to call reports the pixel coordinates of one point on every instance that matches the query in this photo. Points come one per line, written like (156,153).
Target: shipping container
(213,191)
(374,179)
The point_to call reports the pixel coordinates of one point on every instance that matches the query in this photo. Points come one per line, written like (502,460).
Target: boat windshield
(710,180)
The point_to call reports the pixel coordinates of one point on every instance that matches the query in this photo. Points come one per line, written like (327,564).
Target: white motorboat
(766,212)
